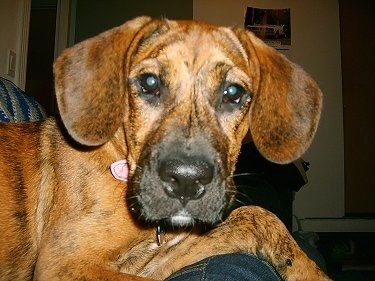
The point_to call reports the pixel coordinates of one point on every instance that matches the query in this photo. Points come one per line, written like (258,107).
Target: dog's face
(186,94)
(193,96)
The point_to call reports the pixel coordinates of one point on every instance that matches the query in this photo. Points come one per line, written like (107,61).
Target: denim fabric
(229,267)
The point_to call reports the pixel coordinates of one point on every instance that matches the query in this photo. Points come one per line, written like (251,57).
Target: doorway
(40,55)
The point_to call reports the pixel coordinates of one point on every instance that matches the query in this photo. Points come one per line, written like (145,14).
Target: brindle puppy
(153,116)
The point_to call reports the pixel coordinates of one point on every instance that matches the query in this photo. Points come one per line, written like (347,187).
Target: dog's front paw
(261,232)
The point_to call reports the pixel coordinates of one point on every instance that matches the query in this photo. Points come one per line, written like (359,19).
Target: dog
(152,117)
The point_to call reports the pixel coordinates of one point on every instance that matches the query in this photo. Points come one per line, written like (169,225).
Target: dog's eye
(233,93)
(150,84)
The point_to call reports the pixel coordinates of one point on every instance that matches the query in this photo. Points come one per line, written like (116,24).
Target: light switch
(11,66)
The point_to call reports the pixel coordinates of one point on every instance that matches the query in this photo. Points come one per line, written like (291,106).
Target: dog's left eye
(150,84)
(233,93)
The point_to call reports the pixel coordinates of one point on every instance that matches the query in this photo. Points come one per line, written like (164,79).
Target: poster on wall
(270,25)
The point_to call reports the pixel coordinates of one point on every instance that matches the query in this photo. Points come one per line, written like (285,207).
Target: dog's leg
(69,263)
(86,273)
(247,229)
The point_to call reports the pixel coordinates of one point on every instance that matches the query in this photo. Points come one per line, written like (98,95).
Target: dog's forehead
(208,44)
(190,46)
(193,42)
(203,38)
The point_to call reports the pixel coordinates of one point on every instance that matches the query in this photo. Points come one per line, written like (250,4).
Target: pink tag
(120,170)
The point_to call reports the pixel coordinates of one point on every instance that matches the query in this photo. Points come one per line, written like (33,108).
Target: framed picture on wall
(271,25)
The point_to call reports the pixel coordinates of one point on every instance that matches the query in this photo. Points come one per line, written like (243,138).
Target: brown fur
(63,216)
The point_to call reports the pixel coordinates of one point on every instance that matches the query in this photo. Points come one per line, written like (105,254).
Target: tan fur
(63,216)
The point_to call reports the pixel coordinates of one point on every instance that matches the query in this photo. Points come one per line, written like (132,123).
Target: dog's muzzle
(180,187)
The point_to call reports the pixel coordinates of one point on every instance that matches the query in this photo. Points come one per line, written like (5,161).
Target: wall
(14,17)
(316,47)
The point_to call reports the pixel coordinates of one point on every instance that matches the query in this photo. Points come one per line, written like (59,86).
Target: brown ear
(286,104)
(90,84)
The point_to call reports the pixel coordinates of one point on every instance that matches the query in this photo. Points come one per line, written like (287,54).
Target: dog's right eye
(150,84)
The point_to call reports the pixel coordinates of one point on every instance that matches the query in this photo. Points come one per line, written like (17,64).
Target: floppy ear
(286,104)
(90,83)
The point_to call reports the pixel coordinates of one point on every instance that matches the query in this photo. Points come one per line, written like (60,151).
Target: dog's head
(186,94)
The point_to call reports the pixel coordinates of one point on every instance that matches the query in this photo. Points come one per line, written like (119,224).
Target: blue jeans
(229,267)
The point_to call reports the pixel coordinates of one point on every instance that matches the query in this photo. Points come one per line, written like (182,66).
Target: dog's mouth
(152,204)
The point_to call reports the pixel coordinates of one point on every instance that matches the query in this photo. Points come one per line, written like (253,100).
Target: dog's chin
(182,219)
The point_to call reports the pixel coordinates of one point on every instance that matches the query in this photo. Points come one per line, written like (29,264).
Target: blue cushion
(16,106)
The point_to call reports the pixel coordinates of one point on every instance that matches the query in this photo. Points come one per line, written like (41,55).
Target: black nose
(185,178)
